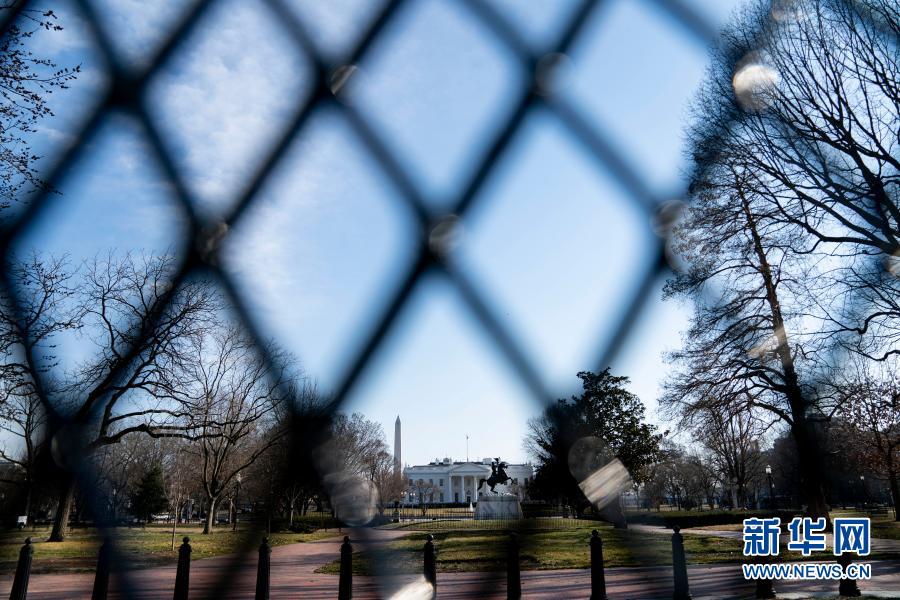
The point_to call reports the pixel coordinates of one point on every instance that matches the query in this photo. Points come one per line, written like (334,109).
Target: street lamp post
(862,482)
(771,485)
(237,503)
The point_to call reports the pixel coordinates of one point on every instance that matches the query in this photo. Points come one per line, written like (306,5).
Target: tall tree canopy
(605,411)
(794,214)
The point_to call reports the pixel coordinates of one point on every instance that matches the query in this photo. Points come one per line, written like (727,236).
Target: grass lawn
(485,550)
(464,550)
(141,547)
(888,529)
(439,524)
(882,527)
(726,527)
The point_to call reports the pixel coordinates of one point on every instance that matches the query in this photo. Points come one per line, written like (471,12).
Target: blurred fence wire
(198,253)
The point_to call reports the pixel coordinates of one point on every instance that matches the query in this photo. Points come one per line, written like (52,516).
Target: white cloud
(137,26)
(226,95)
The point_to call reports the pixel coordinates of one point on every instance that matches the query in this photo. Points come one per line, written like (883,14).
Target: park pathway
(293,576)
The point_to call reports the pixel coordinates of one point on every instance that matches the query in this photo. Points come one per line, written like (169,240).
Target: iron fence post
(345,584)
(847,588)
(679,566)
(23,572)
(765,587)
(598,579)
(263,570)
(430,563)
(183,574)
(513,577)
(101,579)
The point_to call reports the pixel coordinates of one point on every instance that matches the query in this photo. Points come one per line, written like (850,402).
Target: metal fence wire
(198,253)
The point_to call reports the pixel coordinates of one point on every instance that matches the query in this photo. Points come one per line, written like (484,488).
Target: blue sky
(553,239)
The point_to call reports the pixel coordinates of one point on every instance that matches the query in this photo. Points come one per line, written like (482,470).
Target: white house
(456,481)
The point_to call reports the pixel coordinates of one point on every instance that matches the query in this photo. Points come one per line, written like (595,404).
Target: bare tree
(815,130)
(424,491)
(677,476)
(26,80)
(388,482)
(230,398)
(141,329)
(652,491)
(357,455)
(707,479)
(871,407)
(749,336)
(24,419)
(118,469)
(733,440)
(818,127)
(181,479)
(285,471)
(357,441)
(796,129)
(28,324)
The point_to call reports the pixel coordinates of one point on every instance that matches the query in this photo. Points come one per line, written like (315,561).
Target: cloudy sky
(553,239)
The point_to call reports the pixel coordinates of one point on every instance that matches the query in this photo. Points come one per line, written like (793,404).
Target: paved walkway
(293,576)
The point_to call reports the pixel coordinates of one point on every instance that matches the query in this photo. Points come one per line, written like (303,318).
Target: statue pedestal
(498,507)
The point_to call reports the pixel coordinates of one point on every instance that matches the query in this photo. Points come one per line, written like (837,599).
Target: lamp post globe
(237,502)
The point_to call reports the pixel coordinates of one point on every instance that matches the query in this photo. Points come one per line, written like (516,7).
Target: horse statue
(498,475)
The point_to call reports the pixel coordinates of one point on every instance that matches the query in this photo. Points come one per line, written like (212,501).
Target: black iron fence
(680,582)
(198,252)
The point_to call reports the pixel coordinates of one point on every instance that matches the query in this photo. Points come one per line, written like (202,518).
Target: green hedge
(686,519)
(303,523)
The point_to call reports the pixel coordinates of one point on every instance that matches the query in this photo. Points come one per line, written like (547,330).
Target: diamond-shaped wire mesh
(129,89)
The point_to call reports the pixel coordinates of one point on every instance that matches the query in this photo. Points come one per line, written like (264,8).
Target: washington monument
(398,464)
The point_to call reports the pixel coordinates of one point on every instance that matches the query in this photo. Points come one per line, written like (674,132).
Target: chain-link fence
(127,91)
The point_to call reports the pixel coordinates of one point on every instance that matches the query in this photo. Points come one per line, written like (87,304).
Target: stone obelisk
(398,465)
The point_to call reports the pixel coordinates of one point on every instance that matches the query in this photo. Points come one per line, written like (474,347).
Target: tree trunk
(210,515)
(615,513)
(894,482)
(63,509)
(807,448)
(811,480)
(174,526)
(29,492)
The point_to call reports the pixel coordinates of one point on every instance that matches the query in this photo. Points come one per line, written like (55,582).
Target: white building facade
(454,481)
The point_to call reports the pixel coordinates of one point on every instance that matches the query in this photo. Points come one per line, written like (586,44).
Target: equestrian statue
(498,475)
